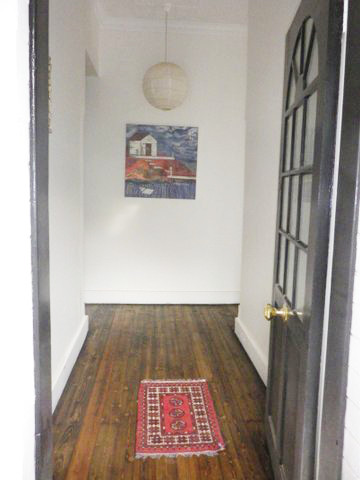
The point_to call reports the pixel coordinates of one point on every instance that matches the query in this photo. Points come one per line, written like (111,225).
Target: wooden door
(309,117)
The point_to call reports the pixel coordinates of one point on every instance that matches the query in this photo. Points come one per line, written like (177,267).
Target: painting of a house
(142,144)
(161,161)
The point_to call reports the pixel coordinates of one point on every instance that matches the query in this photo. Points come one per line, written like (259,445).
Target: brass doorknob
(271,312)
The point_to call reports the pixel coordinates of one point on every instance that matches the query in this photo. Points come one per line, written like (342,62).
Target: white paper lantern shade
(165,85)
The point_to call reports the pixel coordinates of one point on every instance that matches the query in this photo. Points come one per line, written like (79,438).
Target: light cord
(166,35)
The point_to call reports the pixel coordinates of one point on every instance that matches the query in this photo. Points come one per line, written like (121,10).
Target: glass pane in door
(281,264)
(297,55)
(285,204)
(310,129)
(290,268)
(313,69)
(294,205)
(300,281)
(287,155)
(292,89)
(297,137)
(305,209)
(308,27)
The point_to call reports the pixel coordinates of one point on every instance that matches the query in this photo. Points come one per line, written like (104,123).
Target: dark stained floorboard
(95,421)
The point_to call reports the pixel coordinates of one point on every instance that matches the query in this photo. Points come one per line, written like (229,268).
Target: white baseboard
(161,298)
(69,359)
(257,357)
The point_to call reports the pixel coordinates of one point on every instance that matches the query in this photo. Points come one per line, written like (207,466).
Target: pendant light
(165,84)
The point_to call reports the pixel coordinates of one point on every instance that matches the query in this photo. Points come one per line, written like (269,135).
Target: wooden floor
(94,423)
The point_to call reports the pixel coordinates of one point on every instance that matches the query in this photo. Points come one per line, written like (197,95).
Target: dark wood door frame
(343,264)
(39,166)
(342,280)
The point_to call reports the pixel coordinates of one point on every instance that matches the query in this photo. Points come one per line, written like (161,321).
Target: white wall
(92,36)
(351,462)
(159,250)
(17,401)
(68,321)
(266,52)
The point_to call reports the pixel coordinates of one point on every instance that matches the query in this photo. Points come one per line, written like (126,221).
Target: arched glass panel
(291,89)
(311,51)
(297,59)
(313,68)
(308,29)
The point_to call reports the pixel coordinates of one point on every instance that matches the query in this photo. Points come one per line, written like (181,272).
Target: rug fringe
(175,381)
(143,456)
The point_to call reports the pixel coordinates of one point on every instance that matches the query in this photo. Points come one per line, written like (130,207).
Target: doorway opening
(143,340)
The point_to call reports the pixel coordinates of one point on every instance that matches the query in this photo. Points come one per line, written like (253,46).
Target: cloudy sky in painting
(180,142)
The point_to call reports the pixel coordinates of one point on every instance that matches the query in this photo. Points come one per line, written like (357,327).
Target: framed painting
(161,161)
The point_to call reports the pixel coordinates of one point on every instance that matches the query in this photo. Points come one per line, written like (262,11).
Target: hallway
(95,420)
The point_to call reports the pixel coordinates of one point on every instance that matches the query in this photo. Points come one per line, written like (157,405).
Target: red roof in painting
(143,168)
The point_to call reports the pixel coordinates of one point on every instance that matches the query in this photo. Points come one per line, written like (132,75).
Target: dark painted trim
(342,280)
(306,336)
(347,210)
(38,56)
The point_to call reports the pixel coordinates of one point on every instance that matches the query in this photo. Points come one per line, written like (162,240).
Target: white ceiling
(206,11)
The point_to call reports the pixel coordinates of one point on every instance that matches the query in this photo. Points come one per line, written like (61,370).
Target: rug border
(173,454)
(175,381)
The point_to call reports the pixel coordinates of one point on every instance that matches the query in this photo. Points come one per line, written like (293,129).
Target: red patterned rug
(176,417)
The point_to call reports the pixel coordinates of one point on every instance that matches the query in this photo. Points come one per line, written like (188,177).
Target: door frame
(39,190)
(331,427)
(332,420)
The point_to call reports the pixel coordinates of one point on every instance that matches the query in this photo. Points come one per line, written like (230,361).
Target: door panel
(290,404)
(307,153)
(276,380)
